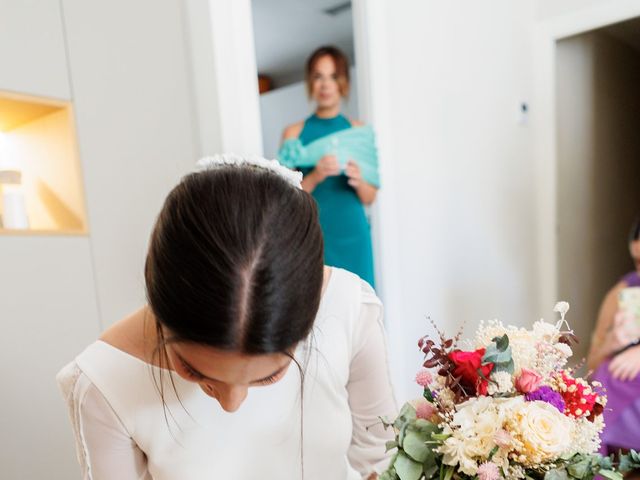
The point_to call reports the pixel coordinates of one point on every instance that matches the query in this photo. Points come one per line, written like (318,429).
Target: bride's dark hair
(235,261)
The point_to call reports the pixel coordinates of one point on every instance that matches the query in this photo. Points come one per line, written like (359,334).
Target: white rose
(545,433)
(457,450)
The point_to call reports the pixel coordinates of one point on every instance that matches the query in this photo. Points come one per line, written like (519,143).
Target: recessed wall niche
(40,176)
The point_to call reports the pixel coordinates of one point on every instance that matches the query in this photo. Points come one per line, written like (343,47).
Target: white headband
(231,159)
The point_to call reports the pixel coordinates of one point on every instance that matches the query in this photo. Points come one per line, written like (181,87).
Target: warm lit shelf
(16,111)
(38,139)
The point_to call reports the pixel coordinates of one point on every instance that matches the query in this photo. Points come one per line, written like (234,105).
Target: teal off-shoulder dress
(346,229)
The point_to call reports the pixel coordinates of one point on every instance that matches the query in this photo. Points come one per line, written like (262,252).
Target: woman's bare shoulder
(615,291)
(293,130)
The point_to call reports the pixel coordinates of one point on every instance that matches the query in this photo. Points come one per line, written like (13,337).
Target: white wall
(462,170)
(546,9)
(598,170)
(287,105)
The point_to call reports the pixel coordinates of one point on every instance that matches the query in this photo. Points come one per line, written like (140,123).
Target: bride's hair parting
(235,262)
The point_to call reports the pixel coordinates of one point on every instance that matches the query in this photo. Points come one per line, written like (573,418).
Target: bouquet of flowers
(505,408)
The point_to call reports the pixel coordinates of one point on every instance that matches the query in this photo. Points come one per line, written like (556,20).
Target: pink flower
(423,377)
(488,471)
(528,381)
(425,410)
(502,438)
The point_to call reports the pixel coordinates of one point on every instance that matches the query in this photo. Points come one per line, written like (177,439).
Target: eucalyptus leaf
(408,411)
(406,468)
(502,342)
(391,444)
(606,463)
(627,462)
(425,426)
(610,474)
(407,414)
(508,367)
(402,433)
(497,357)
(430,472)
(556,474)
(415,447)
(580,469)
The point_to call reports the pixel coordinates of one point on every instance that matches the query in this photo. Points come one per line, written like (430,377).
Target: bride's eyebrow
(204,377)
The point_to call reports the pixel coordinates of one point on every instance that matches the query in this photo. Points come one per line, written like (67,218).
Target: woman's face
(325,90)
(223,375)
(634,249)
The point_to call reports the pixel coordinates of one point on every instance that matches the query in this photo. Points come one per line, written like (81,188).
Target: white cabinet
(129,89)
(32,51)
(48,313)
(136,130)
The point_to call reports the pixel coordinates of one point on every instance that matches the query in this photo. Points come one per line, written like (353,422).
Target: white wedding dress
(122,432)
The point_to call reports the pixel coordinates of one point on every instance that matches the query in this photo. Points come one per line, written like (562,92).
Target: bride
(252,360)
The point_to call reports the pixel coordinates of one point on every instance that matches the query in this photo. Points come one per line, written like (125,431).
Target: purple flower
(546,394)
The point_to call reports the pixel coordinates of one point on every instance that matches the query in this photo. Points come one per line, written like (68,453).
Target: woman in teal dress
(339,161)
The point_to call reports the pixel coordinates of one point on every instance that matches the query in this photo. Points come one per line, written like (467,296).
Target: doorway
(598,163)
(286,32)
(586,115)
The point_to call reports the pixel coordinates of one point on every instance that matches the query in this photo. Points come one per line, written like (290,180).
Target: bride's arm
(370,391)
(104,448)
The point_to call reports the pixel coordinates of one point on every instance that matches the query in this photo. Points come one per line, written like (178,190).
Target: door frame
(546,35)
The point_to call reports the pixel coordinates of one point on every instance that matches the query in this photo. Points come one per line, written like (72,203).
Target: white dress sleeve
(104,448)
(369,388)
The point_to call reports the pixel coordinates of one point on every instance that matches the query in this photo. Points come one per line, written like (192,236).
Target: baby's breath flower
(502,383)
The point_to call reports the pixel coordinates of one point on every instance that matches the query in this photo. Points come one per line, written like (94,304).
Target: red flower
(468,366)
(580,399)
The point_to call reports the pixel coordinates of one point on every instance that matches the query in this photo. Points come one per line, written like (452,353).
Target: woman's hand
(373,476)
(327,166)
(366,193)
(626,365)
(621,333)
(354,174)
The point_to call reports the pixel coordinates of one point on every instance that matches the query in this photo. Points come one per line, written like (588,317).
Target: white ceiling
(287,31)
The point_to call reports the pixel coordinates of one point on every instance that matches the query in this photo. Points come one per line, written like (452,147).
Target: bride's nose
(229,397)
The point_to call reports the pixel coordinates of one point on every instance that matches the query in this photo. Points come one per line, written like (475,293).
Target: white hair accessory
(231,159)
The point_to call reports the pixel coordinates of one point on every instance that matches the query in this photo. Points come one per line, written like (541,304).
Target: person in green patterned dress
(338,159)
